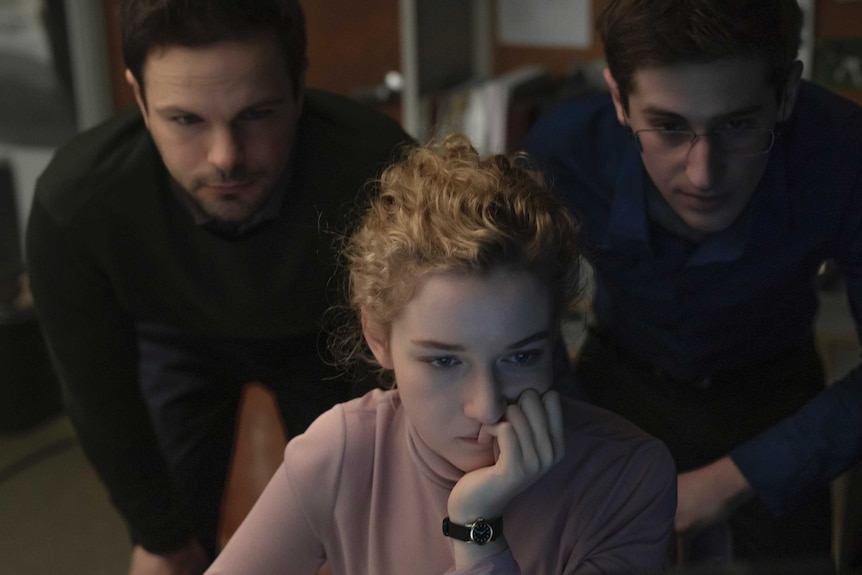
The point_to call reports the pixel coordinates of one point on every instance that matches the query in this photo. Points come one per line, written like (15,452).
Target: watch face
(481,533)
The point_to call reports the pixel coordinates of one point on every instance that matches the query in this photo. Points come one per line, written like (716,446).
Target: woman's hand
(528,441)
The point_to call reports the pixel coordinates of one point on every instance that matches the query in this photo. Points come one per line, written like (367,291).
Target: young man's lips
(703,201)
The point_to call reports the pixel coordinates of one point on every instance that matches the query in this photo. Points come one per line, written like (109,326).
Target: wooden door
(351,44)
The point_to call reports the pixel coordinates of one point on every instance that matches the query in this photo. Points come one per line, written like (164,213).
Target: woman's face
(463,348)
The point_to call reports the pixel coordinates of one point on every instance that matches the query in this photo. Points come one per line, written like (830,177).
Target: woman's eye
(443,361)
(525,358)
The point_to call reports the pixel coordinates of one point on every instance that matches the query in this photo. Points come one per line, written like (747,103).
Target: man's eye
(739,124)
(185,119)
(256,114)
(671,126)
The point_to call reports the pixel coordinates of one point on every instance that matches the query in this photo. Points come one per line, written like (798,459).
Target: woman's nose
(484,399)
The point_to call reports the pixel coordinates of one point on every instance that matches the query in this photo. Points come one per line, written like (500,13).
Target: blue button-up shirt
(745,293)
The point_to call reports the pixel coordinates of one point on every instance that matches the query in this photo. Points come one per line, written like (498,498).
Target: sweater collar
(629,228)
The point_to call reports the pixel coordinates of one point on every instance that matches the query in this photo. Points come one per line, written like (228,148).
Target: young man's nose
(484,399)
(225,150)
(704,163)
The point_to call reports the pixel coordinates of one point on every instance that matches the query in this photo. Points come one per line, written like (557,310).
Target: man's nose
(484,399)
(225,150)
(704,163)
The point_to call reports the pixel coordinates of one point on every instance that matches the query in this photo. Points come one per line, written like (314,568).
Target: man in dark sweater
(183,250)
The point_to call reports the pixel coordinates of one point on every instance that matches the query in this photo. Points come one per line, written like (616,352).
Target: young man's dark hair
(642,34)
(711,182)
(151,24)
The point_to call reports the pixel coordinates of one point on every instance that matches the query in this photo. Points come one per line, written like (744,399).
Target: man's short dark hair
(153,24)
(644,34)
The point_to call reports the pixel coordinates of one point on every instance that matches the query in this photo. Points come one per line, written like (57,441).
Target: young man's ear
(615,94)
(139,96)
(790,90)
(378,341)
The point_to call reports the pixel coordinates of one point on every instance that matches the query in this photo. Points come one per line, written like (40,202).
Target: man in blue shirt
(711,184)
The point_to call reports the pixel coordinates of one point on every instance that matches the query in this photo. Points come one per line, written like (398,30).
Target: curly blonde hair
(445,209)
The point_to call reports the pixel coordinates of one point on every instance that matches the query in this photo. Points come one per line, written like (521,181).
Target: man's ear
(791,89)
(139,97)
(378,341)
(615,94)
(300,93)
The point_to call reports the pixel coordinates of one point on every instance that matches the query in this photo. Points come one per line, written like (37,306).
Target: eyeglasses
(730,142)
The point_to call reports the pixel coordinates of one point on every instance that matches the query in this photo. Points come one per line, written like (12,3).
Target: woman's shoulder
(347,419)
(614,495)
(346,427)
(336,446)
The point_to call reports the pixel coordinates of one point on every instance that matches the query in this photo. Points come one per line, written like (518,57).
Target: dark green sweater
(110,248)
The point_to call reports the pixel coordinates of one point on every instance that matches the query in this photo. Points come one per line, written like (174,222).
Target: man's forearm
(807,449)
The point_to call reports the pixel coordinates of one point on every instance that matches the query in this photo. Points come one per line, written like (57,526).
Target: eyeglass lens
(732,142)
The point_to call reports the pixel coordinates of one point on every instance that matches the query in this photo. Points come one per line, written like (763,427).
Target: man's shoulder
(580,136)
(823,145)
(560,127)
(118,152)
(345,122)
(584,108)
(341,146)
(823,116)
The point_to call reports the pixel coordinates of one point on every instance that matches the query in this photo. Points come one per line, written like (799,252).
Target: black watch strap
(479,532)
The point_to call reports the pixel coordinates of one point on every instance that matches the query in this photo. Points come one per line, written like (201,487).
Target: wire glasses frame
(730,142)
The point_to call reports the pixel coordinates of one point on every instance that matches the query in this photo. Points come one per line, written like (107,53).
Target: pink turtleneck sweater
(361,491)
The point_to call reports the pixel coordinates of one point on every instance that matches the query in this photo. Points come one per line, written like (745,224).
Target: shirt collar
(628,227)
(627,222)
(269,210)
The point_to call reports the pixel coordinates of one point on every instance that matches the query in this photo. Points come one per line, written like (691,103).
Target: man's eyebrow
(264,103)
(173,110)
(658,112)
(746,110)
(661,112)
(432,344)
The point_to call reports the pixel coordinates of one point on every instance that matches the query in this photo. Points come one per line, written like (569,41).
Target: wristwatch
(479,532)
